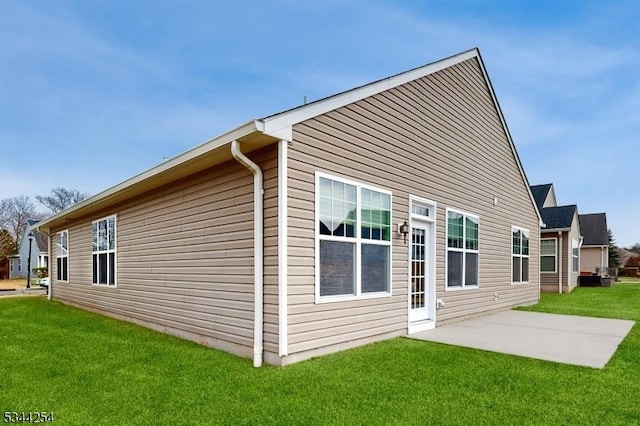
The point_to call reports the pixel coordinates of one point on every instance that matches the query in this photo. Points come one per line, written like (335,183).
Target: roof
(40,238)
(259,133)
(594,229)
(560,217)
(540,193)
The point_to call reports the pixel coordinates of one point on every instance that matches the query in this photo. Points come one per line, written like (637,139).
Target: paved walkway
(566,339)
(34,291)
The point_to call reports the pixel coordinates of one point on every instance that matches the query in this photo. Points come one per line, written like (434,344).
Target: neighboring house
(594,252)
(560,241)
(381,211)
(39,252)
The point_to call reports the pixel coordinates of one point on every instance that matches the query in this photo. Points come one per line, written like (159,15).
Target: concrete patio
(566,339)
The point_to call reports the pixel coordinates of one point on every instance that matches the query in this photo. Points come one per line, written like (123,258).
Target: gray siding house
(560,242)
(18,263)
(388,209)
(594,252)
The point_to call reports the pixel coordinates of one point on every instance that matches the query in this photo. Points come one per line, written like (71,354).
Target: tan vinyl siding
(185,259)
(574,234)
(439,138)
(594,258)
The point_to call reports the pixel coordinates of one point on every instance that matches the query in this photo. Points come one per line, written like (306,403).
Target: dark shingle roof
(540,193)
(40,238)
(594,229)
(558,217)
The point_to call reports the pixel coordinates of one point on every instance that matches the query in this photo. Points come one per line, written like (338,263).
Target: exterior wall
(572,276)
(185,259)
(594,258)
(439,138)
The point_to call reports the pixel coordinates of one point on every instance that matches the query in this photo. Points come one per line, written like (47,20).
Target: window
(11,265)
(519,255)
(20,265)
(462,250)
(104,251)
(575,254)
(62,255)
(354,238)
(548,252)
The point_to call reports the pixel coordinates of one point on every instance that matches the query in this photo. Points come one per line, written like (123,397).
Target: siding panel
(185,259)
(439,138)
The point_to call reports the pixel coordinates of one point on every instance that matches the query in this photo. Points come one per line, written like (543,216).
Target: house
(18,263)
(594,252)
(377,212)
(560,241)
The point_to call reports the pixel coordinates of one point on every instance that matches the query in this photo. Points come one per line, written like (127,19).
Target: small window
(575,254)
(104,251)
(462,250)
(354,238)
(548,250)
(519,255)
(62,256)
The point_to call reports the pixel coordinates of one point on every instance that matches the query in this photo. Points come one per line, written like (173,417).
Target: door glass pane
(375,268)
(418,272)
(337,268)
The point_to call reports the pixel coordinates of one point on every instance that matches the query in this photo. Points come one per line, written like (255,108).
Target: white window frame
(555,256)
(462,250)
(359,295)
(520,255)
(20,265)
(10,265)
(98,252)
(575,258)
(59,256)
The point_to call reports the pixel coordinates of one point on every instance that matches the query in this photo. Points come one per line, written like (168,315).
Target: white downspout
(258,251)
(50,288)
(560,263)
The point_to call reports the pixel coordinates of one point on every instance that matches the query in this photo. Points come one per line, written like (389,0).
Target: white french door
(422,302)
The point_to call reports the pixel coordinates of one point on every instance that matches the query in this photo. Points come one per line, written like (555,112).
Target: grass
(91,369)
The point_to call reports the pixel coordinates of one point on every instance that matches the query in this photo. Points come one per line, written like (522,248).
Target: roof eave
(195,156)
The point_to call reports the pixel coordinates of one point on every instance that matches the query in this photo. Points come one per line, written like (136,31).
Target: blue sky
(94,92)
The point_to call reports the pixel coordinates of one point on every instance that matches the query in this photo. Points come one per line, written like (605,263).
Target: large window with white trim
(62,256)
(519,255)
(575,255)
(104,251)
(548,255)
(354,238)
(462,249)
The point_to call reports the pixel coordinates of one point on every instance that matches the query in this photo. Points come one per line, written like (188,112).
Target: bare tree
(14,214)
(7,244)
(61,198)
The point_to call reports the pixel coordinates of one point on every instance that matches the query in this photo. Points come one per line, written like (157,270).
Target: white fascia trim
(283,253)
(258,252)
(279,125)
(209,145)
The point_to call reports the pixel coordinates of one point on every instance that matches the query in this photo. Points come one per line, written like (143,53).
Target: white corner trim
(283,329)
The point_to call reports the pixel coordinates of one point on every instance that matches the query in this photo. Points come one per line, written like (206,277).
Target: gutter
(258,251)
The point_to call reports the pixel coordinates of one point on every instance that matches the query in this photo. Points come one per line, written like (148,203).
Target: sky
(94,92)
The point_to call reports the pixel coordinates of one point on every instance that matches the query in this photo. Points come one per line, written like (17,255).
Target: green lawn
(89,369)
